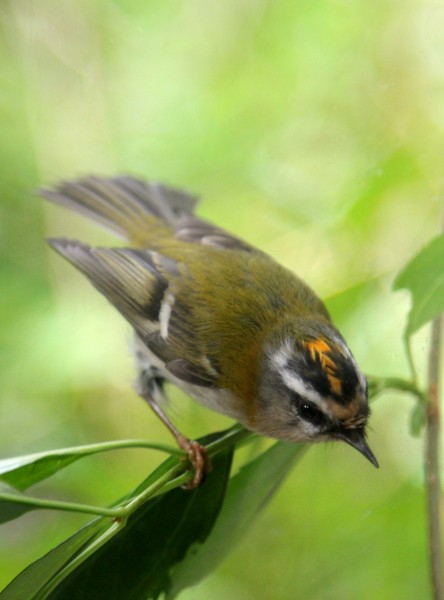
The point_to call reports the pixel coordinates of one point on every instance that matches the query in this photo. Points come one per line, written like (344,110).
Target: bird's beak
(356,438)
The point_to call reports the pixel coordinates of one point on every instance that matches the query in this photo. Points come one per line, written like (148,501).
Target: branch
(431,461)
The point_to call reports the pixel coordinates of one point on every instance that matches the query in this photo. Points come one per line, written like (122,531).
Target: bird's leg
(197,453)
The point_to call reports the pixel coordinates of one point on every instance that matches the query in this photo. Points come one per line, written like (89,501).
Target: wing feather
(129,282)
(137,283)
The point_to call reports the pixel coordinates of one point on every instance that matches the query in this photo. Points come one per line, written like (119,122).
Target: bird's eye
(310,413)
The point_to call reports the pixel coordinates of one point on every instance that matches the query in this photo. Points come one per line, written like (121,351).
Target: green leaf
(24,471)
(423,276)
(417,419)
(248,493)
(29,583)
(135,563)
(9,509)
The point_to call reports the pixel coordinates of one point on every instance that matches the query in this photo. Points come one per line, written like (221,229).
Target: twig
(431,462)
(377,385)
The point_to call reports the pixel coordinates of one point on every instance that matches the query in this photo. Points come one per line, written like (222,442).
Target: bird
(217,317)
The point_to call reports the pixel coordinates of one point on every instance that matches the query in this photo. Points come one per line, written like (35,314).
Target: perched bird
(217,317)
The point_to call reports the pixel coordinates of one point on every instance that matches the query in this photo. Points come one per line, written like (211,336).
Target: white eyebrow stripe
(362,379)
(280,360)
(282,356)
(296,384)
(359,373)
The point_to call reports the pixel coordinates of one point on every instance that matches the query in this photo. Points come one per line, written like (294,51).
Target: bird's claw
(199,459)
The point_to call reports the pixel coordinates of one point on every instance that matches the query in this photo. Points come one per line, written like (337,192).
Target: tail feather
(125,205)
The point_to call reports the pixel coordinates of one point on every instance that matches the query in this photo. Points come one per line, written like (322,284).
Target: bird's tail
(134,209)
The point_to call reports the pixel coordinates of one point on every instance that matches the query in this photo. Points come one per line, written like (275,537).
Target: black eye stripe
(308,410)
(310,413)
(314,374)
(311,372)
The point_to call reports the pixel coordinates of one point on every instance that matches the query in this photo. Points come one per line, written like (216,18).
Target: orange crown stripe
(320,348)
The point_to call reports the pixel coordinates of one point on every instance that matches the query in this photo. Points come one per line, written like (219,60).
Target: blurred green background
(312,129)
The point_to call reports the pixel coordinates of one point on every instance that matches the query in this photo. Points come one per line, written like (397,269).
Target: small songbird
(217,317)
